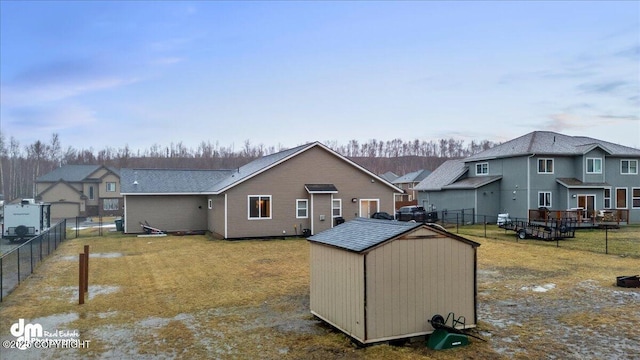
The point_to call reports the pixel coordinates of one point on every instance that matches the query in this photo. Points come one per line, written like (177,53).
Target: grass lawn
(191,297)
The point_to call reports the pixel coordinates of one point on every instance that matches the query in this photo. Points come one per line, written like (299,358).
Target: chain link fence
(20,262)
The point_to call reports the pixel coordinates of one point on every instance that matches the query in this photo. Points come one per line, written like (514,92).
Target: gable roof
(472,182)
(445,174)
(361,234)
(389,176)
(180,181)
(54,185)
(412,177)
(551,143)
(74,173)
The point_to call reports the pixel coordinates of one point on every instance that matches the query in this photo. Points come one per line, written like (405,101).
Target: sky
(107,74)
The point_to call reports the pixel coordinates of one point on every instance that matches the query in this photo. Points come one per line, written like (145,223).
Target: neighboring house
(389,176)
(540,170)
(407,182)
(81,190)
(300,191)
(379,280)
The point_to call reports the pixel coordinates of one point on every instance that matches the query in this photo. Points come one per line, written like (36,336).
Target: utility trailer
(26,220)
(560,229)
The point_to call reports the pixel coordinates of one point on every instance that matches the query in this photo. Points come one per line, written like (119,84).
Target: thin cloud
(603,87)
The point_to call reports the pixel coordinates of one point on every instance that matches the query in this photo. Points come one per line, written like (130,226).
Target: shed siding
(410,280)
(169,213)
(337,288)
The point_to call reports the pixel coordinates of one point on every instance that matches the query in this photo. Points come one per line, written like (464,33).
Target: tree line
(21,165)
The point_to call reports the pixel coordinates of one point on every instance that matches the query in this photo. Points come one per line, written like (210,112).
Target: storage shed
(380,280)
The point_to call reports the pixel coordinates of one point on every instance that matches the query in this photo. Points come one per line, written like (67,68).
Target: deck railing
(582,217)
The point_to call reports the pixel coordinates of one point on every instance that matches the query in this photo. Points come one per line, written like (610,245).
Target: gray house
(540,171)
(407,182)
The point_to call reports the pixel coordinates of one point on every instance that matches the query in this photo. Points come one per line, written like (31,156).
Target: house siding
(285,183)
(169,213)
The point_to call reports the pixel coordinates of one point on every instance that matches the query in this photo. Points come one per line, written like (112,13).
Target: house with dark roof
(81,190)
(407,182)
(540,173)
(295,192)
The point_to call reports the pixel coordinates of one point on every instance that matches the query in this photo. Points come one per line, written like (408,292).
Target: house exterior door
(587,202)
(368,207)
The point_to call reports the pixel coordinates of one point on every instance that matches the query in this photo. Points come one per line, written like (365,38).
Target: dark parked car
(416,213)
(382,215)
(409,213)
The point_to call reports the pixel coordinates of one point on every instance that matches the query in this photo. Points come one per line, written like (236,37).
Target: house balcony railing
(582,217)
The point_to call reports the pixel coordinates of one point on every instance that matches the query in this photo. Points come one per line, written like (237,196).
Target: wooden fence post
(86,268)
(81,280)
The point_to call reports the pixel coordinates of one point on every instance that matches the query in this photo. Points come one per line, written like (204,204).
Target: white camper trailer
(26,219)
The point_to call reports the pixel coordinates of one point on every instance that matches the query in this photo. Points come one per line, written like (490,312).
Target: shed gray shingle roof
(551,143)
(361,234)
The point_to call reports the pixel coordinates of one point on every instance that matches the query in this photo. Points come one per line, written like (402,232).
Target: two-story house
(407,182)
(540,170)
(81,190)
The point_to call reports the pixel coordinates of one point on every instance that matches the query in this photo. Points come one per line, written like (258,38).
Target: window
(111,187)
(607,198)
(259,206)
(594,165)
(635,198)
(545,166)
(90,192)
(482,169)
(210,204)
(302,208)
(336,207)
(110,204)
(544,199)
(621,198)
(628,167)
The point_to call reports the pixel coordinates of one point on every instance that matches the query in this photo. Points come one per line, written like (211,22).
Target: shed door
(368,207)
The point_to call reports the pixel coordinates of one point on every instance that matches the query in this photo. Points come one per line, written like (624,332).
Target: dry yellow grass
(192,297)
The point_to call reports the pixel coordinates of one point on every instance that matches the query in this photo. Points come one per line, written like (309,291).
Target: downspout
(312,219)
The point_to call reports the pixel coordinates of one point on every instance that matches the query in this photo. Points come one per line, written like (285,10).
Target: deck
(582,218)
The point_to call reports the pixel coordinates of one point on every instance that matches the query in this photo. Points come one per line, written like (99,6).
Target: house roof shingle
(72,173)
(412,177)
(166,181)
(551,143)
(445,174)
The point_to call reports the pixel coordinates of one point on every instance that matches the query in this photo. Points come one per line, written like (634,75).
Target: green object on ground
(441,339)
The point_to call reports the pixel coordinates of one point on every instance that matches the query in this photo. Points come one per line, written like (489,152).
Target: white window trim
(479,165)
(593,172)
(629,161)
(553,167)
(550,199)
(210,204)
(306,208)
(107,186)
(111,202)
(260,217)
(339,208)
(632,197)
(605,198)
(626,192)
